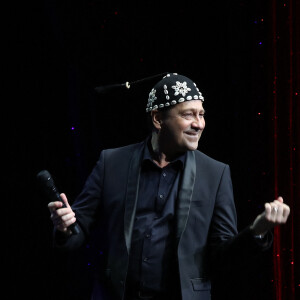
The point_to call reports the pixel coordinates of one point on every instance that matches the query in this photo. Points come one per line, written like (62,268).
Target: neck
(162,157)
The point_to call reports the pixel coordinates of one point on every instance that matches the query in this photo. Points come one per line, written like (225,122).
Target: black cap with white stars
(171,90)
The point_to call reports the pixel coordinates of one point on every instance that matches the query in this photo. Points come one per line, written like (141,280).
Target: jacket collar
(132,192)
(185,193)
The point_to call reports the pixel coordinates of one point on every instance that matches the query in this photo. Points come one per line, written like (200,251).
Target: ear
(156,119)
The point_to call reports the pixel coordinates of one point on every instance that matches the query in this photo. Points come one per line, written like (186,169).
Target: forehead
(186,105)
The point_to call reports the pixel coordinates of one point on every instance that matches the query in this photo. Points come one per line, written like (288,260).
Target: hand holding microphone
(62,215)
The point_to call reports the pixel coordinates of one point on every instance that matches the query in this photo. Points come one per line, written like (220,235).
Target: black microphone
(48,187)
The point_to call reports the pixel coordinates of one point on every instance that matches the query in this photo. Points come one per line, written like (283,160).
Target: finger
(58,219)
(67,217)
(274,210)
(64,221)
(285,214)
(279,215)
(268,211)
(69,222)
(64,224)
(62,211)
(54,205)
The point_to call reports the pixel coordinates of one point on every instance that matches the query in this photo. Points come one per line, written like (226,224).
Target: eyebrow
(192,109)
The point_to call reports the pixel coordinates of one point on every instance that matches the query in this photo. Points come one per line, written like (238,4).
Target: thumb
(280,199)
(65,199)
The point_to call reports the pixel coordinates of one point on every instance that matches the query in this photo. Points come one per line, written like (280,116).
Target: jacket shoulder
(121,154)
(124,149)
(207,160)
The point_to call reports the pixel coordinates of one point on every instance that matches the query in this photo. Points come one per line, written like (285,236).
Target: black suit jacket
(206,225)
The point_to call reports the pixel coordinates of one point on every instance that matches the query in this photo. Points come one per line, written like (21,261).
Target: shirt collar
(148,155)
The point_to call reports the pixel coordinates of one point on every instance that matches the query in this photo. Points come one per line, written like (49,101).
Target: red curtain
(285,98)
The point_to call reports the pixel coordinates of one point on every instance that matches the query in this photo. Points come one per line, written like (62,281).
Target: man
(167,213)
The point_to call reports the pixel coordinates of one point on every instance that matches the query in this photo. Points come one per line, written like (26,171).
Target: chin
(192,146)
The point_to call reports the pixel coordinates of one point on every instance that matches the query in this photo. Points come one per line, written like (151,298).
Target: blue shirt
(152,248)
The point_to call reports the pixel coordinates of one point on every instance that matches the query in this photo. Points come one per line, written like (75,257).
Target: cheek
(180,129)
(184,125)
(177,129)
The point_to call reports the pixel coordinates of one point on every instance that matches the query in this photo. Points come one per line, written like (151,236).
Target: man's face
(181,126)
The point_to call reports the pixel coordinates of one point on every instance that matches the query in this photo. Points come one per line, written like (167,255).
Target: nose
(199,123)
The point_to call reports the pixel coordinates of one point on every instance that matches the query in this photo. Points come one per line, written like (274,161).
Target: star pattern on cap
(151,98)
(181,88)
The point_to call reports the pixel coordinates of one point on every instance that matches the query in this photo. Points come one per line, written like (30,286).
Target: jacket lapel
(132,193)
(185,193)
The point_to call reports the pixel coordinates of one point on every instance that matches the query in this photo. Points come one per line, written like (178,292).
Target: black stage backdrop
(61,50)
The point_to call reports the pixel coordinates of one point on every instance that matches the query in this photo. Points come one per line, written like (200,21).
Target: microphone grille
(44,178)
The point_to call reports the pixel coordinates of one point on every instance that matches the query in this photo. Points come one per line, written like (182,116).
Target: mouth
(192,134)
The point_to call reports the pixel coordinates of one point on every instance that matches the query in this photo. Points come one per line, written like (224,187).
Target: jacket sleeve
(86,207)
(228,249)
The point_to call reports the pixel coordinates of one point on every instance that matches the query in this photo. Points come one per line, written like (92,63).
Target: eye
(187,115)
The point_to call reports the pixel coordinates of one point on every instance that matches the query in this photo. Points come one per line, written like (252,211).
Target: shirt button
(164,174)
(148,235)
(161,196)
(145,259)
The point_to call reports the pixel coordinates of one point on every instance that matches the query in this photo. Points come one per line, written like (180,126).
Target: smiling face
(180,127)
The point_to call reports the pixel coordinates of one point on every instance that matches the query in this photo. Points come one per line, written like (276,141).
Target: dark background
(61,50)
